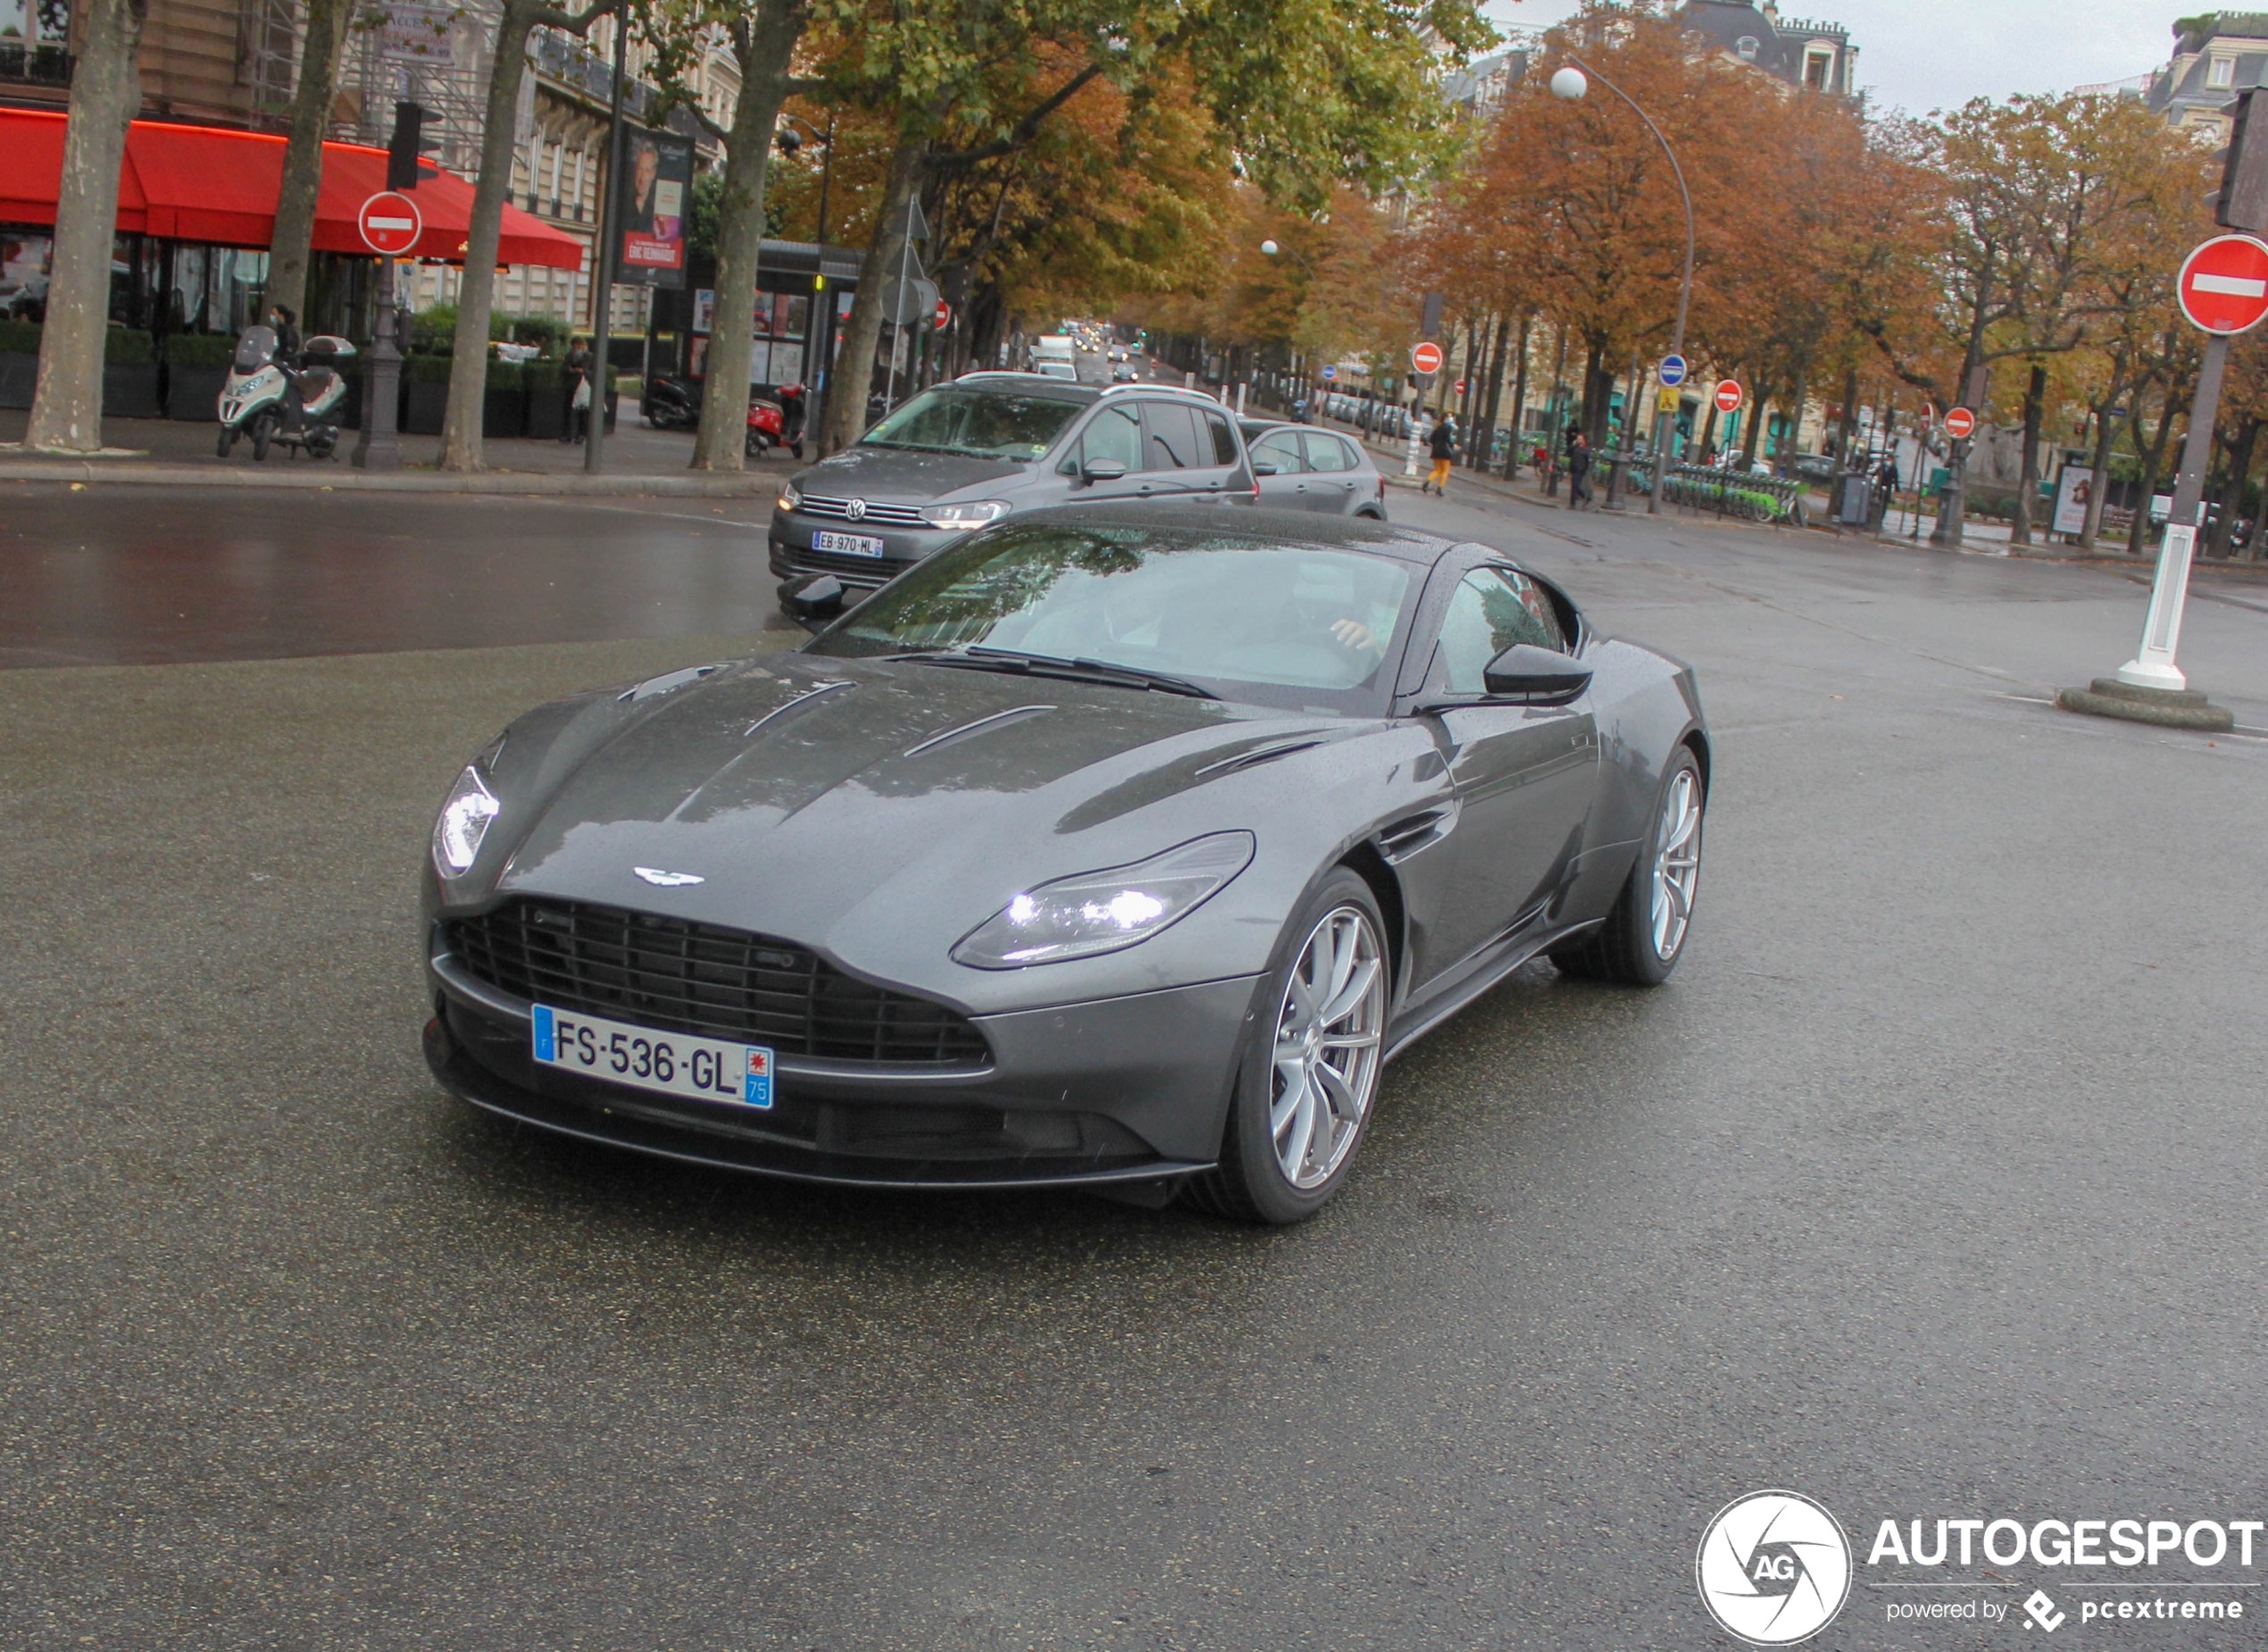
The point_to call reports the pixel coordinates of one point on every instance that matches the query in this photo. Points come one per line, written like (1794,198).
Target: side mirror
(1102,470)
(815,601)
(1261,467)
(1540,676)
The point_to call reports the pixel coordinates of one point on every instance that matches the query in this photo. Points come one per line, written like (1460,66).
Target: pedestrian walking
(1578,471)
(579,389)
(1442,445)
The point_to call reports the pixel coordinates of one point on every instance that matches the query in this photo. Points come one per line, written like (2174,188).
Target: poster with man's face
(657,187)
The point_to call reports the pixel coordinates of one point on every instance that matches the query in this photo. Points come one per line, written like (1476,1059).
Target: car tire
(1638,946)
(1280,1107)
(262,428)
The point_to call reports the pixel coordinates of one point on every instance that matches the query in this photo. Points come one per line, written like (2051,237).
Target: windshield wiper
(979,659)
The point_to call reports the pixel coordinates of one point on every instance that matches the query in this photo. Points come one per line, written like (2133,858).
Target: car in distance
(1117,848)
(987,445)
(1301,468)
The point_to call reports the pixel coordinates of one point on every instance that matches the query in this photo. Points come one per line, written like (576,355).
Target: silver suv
(962,455)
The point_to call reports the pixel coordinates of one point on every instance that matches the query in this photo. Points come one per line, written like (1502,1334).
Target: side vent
(1413,832)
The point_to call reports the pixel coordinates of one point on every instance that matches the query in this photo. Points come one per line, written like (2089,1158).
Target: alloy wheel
(1327,1035)
(1677,863)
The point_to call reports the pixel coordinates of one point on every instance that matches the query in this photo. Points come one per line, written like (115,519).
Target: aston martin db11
(1119,847)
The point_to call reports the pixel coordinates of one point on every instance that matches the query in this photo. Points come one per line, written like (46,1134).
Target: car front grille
(863,570)
(704,979)
(881,515)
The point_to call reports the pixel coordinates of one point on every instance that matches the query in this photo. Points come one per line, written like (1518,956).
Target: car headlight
(788,497)
(463,822)
(1097,912)
(961,518)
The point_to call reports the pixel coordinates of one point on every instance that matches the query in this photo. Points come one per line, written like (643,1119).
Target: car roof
(1023,384)
(1172,524)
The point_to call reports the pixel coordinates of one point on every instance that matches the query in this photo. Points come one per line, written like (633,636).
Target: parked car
(963,455)
(1119,848)
(1301,468)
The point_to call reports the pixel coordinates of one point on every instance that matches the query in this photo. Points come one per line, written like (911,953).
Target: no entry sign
(1426,357)
(2224,285)
(390,224)
(1959,423)
(1727,395)
(943,318)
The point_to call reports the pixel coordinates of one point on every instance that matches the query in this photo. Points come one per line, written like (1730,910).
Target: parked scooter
(269,399)
(672,404)
(767,422)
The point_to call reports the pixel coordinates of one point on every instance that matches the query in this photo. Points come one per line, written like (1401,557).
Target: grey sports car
(1112,846)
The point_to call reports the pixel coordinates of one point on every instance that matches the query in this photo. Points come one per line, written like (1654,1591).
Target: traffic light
(405,153)
(2241,203)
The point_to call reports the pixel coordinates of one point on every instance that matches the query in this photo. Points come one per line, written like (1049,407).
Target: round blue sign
(1329,372)
(1672,371)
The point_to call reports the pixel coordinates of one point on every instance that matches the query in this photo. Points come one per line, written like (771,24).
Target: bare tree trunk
(1752,427)
(763,46)
(2028,472)
(1848,432)
(1519,399)
(2232,488)
(67,407)
(302,168)
(2098,483)
(476,294)
(2139,534)
(853,378)
(1477,452)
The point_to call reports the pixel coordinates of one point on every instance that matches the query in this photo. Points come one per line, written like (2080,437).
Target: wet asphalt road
(1931,1186)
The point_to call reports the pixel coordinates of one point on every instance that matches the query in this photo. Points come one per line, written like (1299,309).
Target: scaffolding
(403,51)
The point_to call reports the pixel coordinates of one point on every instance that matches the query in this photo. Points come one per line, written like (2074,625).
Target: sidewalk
(181,453)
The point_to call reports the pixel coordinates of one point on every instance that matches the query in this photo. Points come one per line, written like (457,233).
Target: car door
(1331,481)
(1525,775)
(1286,490)
(1182,460)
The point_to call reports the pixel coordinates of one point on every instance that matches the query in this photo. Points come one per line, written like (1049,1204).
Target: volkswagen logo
(1774,1568)
(855,510)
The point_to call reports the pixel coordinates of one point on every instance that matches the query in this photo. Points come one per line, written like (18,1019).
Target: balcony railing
(22,65)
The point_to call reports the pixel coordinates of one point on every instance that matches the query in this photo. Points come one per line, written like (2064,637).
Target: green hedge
(503,375)
(199,349)
(544,378)
(123,346)
(18,338)
(425,369)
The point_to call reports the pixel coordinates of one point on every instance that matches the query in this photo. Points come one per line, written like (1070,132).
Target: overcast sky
(1925,54)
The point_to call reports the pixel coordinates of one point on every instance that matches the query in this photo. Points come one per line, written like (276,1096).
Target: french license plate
(675,1064)
(845,544)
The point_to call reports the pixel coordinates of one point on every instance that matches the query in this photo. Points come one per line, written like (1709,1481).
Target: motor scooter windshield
(254,348)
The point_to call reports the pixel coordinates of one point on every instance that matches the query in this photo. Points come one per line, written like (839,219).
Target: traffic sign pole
(2224,290)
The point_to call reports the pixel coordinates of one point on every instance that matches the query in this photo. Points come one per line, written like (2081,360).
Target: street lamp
(1568,84)
(789,142)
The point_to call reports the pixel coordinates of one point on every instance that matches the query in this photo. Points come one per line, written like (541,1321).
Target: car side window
(1327,453)
(1115,434)
(1280,448)
(1224,439)
(1173,436)
(1491,610)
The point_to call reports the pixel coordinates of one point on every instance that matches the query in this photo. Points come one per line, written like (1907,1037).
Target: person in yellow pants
(1443,444)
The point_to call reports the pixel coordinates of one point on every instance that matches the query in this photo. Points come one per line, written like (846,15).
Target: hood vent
(798,704)
(1013,714)
(1257,756)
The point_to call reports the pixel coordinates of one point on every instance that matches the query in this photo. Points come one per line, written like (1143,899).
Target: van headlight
(789,498)
(1091,913)
(965,517)
(463,822)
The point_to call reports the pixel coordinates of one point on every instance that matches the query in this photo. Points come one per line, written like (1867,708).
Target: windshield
(994,423)
(254,349)
(1305,627)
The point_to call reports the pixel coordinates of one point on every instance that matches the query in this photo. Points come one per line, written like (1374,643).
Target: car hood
(903,475)
(856,806)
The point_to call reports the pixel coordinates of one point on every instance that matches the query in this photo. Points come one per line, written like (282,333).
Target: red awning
(203,183)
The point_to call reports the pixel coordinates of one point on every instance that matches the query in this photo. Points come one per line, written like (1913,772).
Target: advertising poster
(2073,489)
(657,187)
(704,308)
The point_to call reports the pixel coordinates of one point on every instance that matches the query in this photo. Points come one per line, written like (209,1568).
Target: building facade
(1808,55)
(2214,57)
